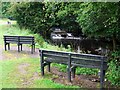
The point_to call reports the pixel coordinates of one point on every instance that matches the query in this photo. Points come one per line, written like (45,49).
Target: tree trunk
(114,43)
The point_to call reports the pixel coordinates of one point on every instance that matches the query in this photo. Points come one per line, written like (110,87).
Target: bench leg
(8,46)
(102,76)
(5,47)
(18,47)
(21,47)
(42,70)
(69,74)
(34,47)
(48,67)
(32,50)
(73,72)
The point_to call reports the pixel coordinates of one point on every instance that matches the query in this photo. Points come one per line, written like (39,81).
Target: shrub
(113,74)
(39,40)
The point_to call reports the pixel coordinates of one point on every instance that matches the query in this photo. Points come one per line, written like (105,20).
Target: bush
(39,40)
(113,74)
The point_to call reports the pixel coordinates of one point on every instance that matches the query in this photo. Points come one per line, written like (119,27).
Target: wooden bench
(73,60)
(19,40)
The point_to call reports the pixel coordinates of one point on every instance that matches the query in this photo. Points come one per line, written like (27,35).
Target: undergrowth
(113,73)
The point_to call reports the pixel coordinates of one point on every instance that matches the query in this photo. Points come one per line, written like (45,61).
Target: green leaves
(98,18)
(95,19)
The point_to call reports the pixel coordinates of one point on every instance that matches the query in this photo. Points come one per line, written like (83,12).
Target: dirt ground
(85,81)
(13,53)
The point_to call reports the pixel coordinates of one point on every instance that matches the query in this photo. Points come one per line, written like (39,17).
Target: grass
(12,78)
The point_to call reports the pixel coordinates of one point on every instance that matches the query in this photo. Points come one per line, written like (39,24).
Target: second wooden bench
(73,60)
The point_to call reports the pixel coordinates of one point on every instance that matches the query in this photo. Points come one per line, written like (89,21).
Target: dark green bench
(73,60)
(19,40)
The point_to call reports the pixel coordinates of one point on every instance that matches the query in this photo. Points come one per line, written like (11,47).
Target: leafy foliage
(114,69)
(29,15)
(40,17)
(5,6)
(100,20)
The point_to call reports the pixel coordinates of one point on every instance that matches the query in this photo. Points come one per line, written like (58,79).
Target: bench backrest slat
(55,52)
(92,63)
(89,56)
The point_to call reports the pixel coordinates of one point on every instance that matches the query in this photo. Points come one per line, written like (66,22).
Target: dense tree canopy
(95,19)
(100,20)
(40,17)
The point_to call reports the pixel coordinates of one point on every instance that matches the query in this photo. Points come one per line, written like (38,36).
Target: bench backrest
(19,39)
(89,61)
(10,39)
(81,60)
(26,39)
(56,57)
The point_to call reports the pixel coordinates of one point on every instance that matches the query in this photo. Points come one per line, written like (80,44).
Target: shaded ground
(85,81)
(13,53)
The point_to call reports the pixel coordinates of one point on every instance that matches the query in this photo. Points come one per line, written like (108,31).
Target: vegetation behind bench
(74,60)
(19,40)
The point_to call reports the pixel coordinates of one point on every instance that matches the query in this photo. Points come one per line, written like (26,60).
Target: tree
(40,17)
(5,6)
(100,20)
(67,17)
(29,15)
